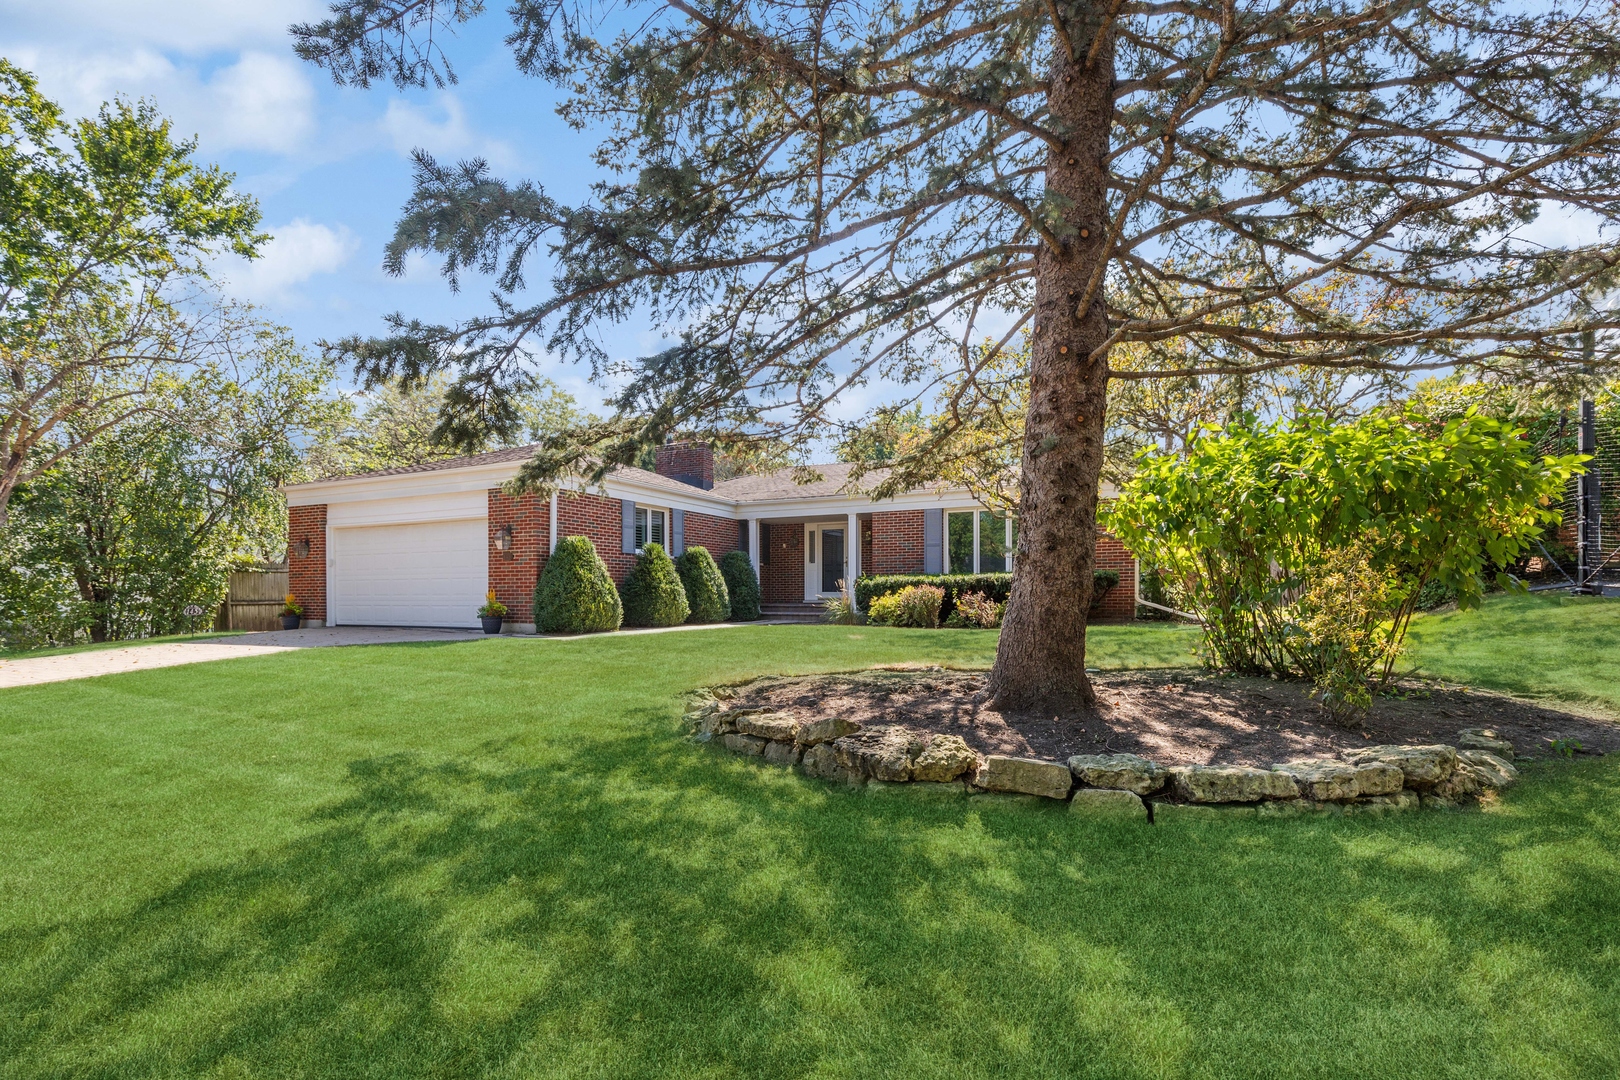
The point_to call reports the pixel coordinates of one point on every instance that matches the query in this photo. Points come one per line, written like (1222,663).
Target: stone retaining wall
(1374,779)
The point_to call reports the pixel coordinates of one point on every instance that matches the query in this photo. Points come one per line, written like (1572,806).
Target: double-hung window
(651,527)
(978,542)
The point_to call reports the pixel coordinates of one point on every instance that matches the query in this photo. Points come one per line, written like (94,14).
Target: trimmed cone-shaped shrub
(575,593)
(706,594)
(742,585)
(653,595)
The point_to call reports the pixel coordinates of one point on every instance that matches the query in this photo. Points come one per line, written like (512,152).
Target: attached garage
(426,573)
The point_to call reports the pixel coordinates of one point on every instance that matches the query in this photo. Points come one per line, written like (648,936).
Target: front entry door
(824,561)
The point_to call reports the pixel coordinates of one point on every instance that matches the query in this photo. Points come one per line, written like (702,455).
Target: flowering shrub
(915,605)
(976,610)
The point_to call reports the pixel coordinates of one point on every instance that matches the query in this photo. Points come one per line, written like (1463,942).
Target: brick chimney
(689,462)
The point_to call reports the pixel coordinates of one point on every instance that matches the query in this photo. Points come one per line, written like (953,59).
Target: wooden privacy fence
(254,599)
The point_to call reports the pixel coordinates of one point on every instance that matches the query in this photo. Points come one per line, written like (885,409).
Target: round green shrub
(706,593)
(742,585)
(652,594)
(575,593)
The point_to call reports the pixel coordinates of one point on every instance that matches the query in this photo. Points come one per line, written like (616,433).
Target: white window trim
(650,509)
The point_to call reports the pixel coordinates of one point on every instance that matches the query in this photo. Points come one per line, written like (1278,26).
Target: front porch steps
(792,612)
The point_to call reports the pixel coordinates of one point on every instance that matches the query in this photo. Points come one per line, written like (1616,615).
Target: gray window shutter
(629,512)
(933,541)
(764,544)
(677,533)
(742,537)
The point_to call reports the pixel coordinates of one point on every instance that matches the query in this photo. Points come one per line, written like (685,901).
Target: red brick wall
(781,580)
(1120,603)
(513,572)
(897,543)
(717,534)
(688,462)
(306,574)
(601,519)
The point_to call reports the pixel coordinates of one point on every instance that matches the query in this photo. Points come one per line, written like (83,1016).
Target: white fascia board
(697,502)
(400,485)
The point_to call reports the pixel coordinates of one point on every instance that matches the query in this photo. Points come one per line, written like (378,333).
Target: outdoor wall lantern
(302,548)
(503,538)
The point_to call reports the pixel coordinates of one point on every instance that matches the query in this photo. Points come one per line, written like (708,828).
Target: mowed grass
(499,858)
(1549,645)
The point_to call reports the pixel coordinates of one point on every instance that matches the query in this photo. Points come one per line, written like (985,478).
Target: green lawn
(498,858)
(1546,645)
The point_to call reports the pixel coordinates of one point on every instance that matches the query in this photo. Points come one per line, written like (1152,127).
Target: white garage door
(431,573)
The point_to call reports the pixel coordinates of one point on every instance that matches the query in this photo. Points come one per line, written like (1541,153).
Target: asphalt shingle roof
(781,484)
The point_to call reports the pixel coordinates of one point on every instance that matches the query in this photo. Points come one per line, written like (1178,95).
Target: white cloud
(300,250)
(408,127)
(189,26)
(261,102)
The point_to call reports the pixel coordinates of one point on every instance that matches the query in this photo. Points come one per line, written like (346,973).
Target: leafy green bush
(742,585)
(996,587)
(915,605)
(1265,526)
(575,593)
(652,593)
(706,593)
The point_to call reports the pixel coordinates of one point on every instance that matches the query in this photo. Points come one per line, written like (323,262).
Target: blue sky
(329,165)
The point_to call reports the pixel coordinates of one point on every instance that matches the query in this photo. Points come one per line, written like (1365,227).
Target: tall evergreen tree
(810,195)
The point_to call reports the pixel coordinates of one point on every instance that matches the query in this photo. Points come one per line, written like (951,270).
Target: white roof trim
(620,486)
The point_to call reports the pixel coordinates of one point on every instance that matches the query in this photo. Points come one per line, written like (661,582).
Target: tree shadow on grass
(639,906)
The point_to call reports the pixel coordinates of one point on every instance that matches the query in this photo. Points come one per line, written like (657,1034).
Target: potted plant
(491,614)
(292,615)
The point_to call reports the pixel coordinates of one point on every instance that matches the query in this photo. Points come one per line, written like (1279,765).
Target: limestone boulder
(881,753)
(1108,803)
(1025,776)
(769,725)
(820,761)
(1385,804)
(1485,739)
(1423,766)
(1494,770)
(1231,784)
(782,753)
(745,744)
(1476,771)
(825,730)
(1379,778)
(1323,781)
(1120,772)
(945,758)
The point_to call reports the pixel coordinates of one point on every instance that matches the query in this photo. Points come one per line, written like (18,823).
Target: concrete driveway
(31,670)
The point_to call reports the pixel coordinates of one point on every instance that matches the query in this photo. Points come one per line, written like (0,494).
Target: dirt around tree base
(1172,717)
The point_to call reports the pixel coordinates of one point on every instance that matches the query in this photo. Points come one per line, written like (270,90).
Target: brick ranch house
(420,546)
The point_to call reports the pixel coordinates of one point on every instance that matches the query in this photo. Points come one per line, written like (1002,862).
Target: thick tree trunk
(1041,660)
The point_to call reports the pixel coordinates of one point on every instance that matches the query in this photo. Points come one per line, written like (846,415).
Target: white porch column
(552,531)
(852,555)
(753,544)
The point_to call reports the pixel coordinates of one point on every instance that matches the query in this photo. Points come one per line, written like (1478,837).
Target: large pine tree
(808,195)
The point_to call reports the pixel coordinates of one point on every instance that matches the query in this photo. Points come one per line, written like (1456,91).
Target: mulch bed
(1173,717)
